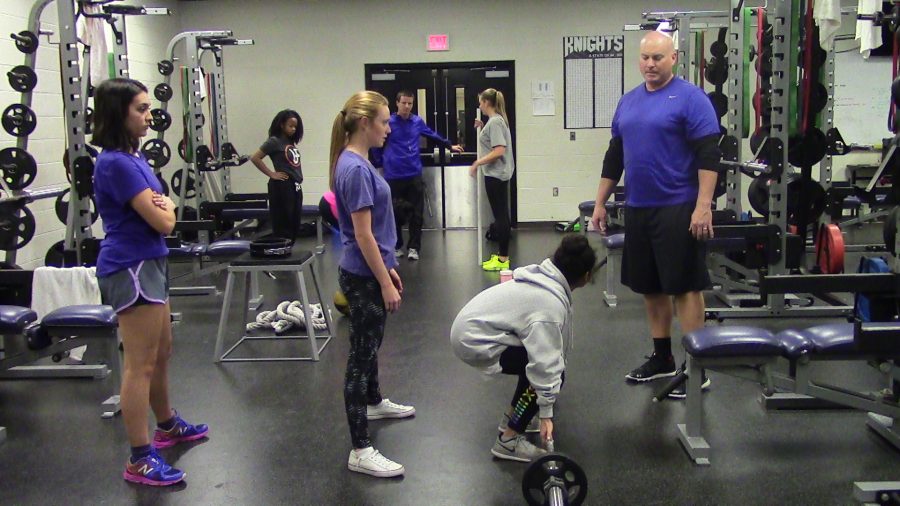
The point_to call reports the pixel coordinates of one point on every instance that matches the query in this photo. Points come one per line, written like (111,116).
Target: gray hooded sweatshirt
(535,311)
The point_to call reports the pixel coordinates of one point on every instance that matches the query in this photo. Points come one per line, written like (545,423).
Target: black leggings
(409,206)
(285,203)
(513,360)
(367,319)
(498,197)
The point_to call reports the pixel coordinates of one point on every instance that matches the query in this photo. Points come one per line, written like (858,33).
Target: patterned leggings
(367,319)
(513,361)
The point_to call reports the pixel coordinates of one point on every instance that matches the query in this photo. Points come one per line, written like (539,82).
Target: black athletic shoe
(655,367)
(680,391)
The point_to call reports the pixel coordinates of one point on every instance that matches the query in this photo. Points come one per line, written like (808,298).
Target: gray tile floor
(278,432)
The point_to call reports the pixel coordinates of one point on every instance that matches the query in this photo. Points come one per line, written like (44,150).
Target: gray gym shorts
(145,283)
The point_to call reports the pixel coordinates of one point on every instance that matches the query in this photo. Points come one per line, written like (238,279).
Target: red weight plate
(830,249)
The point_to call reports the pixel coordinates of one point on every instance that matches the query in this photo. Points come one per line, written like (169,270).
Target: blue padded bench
(749,352)
(63,329)
(14,319)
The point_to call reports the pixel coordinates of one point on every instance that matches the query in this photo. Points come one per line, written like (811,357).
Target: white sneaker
(370,461)
(398,253)
(388,409)
(413,254)
(518,448)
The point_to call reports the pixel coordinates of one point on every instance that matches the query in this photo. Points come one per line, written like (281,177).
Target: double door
(446,98)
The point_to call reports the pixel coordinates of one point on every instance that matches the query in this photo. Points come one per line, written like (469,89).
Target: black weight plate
(160,120)
(719,103)
(716,72)
(718,48)
(162,92)
(757,139)
(157,153)
(758,195)
(181,150)
(91,150)
(88,120)
(16,231)
(26,42)
(17,167)
(177,179)
(557,466)
(19,120)
(22,78)
(62,208)
(818,99)
(56,256)
(165,67)
(808,149)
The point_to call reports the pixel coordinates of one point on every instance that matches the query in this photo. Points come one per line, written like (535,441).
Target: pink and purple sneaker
(152,470)
(179,433)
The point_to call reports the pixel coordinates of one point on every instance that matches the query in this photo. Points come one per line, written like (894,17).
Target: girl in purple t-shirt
(133,276)
(367,274)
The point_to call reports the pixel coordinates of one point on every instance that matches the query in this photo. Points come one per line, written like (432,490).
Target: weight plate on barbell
(19,120)
(560,467)
(17,167)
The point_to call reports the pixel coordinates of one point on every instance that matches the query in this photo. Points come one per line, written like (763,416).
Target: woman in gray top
(495,154)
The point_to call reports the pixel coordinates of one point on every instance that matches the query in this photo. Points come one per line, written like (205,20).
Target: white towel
(868,35)
(53,288)
(827,14)
(93,34)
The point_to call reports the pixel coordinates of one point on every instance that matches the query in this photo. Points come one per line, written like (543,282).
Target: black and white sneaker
(655,367)
(680,391)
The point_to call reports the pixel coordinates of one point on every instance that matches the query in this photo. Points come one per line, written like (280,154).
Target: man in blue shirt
(403,170)
(665,138)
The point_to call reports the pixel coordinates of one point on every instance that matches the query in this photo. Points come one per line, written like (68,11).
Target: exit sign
(439,42)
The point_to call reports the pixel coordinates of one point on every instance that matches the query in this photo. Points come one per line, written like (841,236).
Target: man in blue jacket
(403,170)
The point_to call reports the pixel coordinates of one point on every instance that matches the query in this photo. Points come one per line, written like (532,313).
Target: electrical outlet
(555,191)
(571,136)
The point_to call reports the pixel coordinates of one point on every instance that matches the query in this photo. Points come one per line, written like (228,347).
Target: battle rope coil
(287,315)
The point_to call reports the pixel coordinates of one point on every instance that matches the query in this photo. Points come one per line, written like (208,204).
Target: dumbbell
(554,480)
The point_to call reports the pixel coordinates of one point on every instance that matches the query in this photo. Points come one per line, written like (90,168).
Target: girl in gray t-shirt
(495,154)
(284,187)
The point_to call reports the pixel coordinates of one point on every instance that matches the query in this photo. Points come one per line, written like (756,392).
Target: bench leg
(111,406)
(690,434)
(2,435)
(257,301)
(320,244)
(584,223)
(609,295)
(223,318)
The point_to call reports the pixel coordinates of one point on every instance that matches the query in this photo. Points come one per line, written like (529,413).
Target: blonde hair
(495,98)
(364,104)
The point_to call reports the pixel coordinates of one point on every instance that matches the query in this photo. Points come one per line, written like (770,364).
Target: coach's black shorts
(661,255)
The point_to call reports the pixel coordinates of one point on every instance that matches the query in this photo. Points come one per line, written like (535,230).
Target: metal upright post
(73,112)
(120,45)
(735,115)
(779,132)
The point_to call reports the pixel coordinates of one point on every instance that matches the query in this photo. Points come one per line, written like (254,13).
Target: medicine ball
(340,303)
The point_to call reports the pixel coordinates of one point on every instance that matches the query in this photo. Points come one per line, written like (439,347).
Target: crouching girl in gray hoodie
(524,327)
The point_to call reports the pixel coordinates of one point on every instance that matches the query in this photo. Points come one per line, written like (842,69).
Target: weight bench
(61,330)
(614,212)
(749,353)
(218,254)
